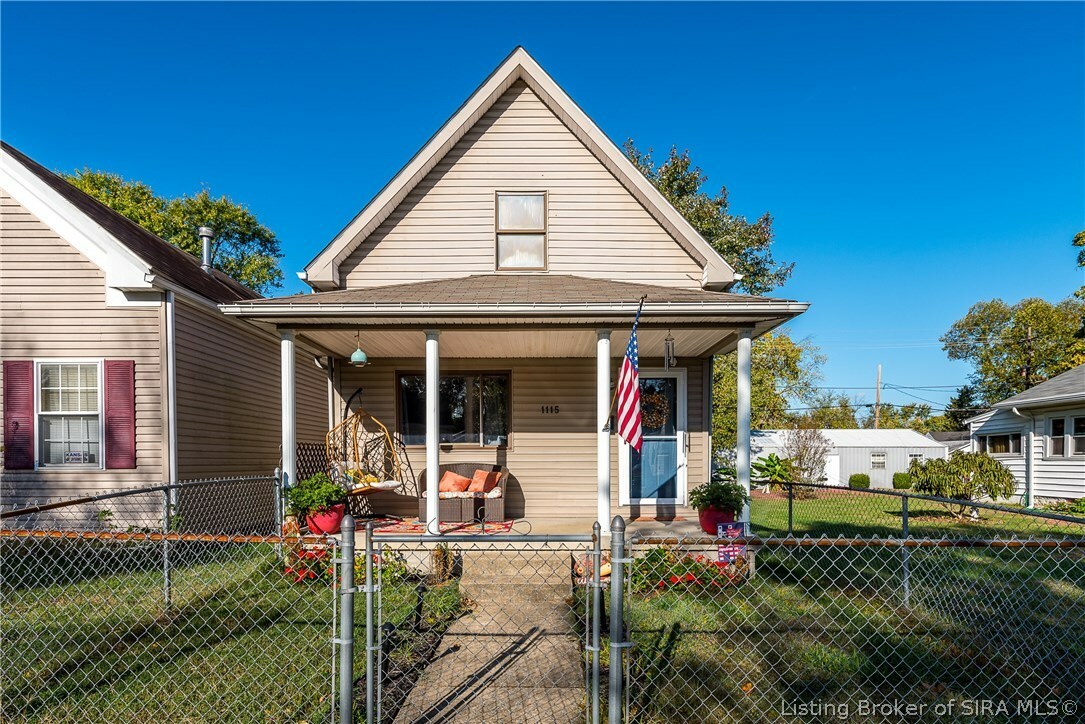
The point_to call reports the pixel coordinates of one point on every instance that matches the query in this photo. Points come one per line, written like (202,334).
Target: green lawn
(857,514)
(239,642)
(832,626)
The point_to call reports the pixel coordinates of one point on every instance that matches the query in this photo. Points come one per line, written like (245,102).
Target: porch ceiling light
(358,358)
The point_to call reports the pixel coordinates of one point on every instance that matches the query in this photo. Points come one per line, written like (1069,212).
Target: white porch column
(742,452)
(433,431)
(602,401)
(289,406)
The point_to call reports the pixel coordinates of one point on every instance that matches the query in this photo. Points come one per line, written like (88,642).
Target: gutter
(534,309)
(1027,497)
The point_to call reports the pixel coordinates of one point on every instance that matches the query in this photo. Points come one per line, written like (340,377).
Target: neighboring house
(119,369)
(877,453)
(954,440)
(506,260)
(1039,435)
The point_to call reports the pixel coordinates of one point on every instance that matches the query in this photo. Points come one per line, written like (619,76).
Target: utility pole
(1028,359)
(878,399)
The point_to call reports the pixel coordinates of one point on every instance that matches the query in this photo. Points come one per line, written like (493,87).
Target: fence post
(346,623)
(370,622)
(596,611)
(790,510)
(617,624)
(905,553)
(167,514)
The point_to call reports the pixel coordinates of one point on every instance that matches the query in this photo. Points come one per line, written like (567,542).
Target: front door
(657,474)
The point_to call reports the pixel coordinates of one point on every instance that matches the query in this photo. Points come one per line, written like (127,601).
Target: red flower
(675,579)
(689,577)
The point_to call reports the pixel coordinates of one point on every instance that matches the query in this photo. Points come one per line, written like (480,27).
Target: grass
(832,626)
(239,641)
(856,514)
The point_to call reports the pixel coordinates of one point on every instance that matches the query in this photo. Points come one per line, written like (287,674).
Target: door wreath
(655,410)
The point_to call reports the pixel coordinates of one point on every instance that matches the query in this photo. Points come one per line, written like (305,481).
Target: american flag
(629,428)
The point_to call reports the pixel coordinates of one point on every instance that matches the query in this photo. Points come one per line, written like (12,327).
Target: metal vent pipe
(206,235)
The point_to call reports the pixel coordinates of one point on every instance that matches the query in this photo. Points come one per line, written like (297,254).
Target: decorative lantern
(358,358)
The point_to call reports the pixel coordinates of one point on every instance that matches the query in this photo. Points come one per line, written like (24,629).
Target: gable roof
(322,273)
(161,259)
(851,437)
(1060,389)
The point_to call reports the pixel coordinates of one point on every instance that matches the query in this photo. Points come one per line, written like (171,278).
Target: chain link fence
(855,629)
(172,603)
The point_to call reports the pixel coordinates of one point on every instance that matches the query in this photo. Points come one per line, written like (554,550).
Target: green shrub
(859,480)
(902,481)
(964,477)
(719,493)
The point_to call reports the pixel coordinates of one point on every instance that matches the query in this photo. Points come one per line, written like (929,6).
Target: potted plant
(322,502)
(718,501)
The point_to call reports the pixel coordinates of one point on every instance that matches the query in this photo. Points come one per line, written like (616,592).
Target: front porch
(528,386)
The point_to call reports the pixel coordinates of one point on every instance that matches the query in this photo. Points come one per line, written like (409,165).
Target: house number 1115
(550,409)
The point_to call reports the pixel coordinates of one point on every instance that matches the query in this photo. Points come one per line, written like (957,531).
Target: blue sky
(917,157)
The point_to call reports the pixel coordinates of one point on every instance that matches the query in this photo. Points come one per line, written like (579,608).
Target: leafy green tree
(913,415)
(1079,241)
(782,370)
(746,245)
(964,477)
(962,406)
(243,248)
(831,410)
(1013,347)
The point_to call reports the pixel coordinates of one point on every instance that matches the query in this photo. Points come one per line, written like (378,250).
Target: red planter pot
(327,521)
(711,517)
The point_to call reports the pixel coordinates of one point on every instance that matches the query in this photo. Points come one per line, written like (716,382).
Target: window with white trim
(69,414)
(914,456)
(521,230)
(1065,436)
(1007,443)
(877,461)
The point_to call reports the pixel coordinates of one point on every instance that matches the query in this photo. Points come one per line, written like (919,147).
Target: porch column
(289,406)
(602,401)
(433,431)
(742,452)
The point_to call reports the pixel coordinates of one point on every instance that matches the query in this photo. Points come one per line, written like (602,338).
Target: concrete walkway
(515,658)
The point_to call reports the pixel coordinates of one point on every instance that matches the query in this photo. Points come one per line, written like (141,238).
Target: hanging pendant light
(358,358)
(669,360)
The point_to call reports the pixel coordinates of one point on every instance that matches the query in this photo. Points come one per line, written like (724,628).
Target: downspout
(1027,497)
(171,384)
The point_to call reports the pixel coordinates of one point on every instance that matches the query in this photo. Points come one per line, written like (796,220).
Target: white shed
(877,453)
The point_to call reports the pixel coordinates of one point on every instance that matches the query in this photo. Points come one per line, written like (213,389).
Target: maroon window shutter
(120,414)
(18,415)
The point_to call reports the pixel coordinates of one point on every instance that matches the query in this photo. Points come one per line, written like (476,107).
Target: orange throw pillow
(453,483)
(483,482)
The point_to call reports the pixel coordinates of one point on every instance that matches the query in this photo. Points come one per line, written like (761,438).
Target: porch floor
(570,526)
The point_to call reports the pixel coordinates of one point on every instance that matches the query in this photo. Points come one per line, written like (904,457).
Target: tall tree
(831,410)
(1079,242)
(243,248)
(781,370)
(746,245)
(962,406)
(1013,347)
(913,415)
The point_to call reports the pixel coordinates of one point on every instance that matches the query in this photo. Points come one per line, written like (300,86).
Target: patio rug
(412,526)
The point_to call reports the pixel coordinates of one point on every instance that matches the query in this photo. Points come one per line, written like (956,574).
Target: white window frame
(69,467)
(499,232)
(679,373)
(885,460)
(915,456)
(1068,452)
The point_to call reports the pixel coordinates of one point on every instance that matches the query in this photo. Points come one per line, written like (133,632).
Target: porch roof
(560,295)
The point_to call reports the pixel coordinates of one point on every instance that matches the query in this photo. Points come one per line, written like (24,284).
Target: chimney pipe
(206,235)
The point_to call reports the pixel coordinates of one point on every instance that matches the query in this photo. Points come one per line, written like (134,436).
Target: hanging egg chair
(364,458)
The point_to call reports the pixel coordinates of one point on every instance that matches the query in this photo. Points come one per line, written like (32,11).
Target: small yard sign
(730,552)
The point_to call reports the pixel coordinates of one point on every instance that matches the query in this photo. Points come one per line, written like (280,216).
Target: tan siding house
(491,289)
(83,291)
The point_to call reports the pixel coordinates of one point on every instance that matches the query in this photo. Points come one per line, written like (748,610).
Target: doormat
(412,526)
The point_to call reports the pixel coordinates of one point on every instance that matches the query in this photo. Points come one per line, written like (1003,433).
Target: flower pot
(711,517)
(327,520)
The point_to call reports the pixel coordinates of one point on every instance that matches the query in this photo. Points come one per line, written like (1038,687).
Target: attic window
(521,231)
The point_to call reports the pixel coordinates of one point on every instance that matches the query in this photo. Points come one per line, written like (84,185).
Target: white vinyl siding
(1053,476)
(445,226)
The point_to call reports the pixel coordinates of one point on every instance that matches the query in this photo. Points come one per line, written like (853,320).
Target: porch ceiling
(519,343)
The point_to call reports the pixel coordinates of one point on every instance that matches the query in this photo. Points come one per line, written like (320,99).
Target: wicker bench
(462,510)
